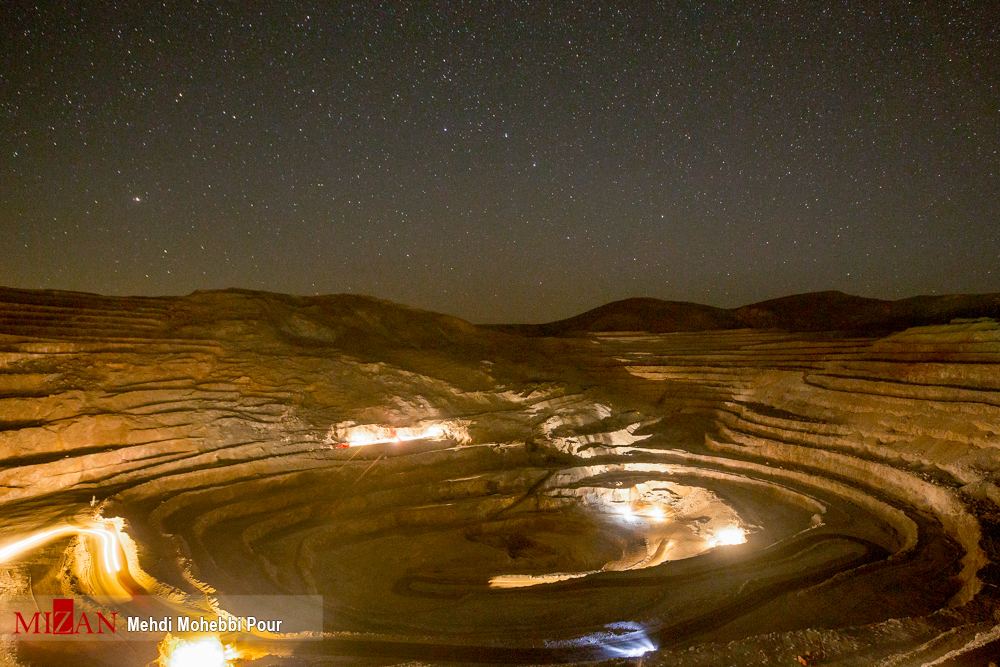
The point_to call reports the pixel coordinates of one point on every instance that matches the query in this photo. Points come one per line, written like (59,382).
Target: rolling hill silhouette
(814,311)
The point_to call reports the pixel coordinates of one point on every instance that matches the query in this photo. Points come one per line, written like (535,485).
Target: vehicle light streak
(112,559)
(108,538)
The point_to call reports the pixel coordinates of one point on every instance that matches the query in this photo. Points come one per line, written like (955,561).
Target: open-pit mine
(747,494)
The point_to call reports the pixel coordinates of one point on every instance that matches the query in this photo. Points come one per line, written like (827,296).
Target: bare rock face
(733,496)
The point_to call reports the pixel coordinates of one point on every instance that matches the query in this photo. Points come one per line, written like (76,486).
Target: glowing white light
(204,652)
(633,649)
(726,536)
(629,513)
(615,643)
(21,546)
(108,538)
(657,513)
(372,434)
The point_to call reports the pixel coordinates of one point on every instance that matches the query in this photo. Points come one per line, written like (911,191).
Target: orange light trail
(108,537)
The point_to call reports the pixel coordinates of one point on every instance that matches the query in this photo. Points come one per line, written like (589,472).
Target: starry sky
(501,161)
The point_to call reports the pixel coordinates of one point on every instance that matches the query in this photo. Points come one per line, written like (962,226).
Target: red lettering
(62,615)
(84,621)
(34,619)
(110,624)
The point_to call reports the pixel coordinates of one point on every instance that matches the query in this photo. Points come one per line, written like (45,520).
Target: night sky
(501,161)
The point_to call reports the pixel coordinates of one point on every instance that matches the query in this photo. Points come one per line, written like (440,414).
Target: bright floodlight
(635,646)
(372,434)
(730,535)
(634,650)
(205,652)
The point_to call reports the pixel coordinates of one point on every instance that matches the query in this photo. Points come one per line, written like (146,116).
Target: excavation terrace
(467,494)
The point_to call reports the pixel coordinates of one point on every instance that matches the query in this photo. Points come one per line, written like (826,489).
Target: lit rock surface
(507,499)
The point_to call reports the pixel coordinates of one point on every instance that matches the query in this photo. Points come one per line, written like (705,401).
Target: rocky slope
(454,493)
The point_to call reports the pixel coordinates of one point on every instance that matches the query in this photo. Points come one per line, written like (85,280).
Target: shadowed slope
(639,314)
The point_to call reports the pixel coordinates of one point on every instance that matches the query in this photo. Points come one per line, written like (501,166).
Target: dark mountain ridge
(358,321)
(814,311)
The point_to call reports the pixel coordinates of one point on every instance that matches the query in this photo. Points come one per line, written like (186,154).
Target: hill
(814,311)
